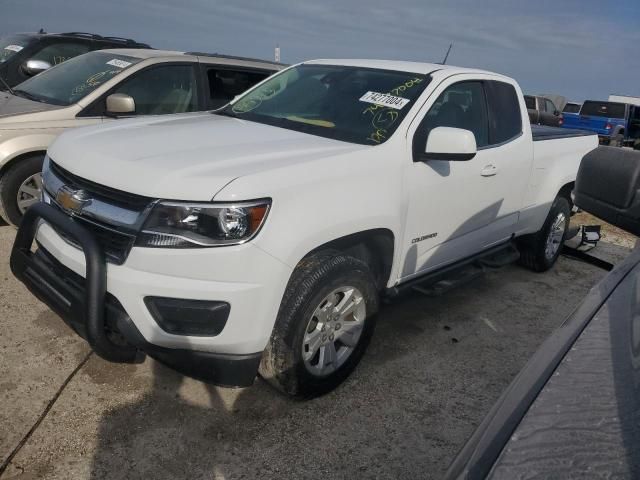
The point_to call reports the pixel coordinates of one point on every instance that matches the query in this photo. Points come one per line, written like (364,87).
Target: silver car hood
(14,105)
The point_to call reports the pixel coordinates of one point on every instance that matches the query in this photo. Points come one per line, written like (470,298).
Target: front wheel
(324,325)
(540,251)
(20,187)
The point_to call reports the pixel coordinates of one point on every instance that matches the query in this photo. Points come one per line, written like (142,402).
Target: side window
(59,52)
(162,90)
(462,105)
(224,85)
(550,106)
(505,118)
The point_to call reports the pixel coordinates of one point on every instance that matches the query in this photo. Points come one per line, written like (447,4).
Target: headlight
(194,225)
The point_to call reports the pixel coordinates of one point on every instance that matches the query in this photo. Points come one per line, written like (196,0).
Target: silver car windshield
(74,79)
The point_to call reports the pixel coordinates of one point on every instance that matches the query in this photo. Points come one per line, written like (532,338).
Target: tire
(288,361)
(534,254)
(11,182)
(616,140)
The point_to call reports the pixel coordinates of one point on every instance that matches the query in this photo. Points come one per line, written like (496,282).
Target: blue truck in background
(617,124)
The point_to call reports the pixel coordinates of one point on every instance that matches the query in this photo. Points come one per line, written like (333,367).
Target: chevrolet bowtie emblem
(72,200)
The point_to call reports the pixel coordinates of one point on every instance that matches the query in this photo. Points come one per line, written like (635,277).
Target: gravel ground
(433,370)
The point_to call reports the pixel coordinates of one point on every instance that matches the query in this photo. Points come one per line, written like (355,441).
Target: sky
(582,49)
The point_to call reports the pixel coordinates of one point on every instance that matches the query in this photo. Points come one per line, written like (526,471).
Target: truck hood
(184,157)
(14,105)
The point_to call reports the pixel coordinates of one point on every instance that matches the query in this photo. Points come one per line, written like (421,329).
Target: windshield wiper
(22,93)
(9,89)
(225,112)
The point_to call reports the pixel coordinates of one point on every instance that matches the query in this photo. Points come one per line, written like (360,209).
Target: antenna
(444,62)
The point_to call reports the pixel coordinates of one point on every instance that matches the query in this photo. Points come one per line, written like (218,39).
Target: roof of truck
(403,66)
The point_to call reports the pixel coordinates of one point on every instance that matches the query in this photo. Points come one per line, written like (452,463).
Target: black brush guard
(97,316)
(83,308)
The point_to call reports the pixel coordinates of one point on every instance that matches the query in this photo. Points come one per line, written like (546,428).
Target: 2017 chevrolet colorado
(261,236)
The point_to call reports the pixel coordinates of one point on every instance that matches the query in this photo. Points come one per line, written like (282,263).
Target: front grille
(116,197)
(115,244)
(115,241)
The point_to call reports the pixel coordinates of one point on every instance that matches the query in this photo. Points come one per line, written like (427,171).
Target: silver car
(101,86)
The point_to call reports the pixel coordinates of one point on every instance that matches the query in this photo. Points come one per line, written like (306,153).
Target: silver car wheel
(333,331)
(556,234)
(29,192)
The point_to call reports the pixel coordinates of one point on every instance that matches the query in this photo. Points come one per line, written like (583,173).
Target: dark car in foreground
(574,410)
(24,55)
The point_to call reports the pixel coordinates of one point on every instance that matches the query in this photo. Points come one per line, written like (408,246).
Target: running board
(459,273)
(458,278)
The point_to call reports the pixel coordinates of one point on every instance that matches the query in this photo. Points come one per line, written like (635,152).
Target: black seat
(450,114)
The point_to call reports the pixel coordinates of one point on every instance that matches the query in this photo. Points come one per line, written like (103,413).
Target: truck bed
(542,132)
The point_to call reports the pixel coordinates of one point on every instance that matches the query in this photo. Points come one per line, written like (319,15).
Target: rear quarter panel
(555,164)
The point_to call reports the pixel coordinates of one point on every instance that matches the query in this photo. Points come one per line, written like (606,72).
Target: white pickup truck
(260,237)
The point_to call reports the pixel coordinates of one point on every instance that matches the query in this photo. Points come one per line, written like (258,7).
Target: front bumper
(80,297)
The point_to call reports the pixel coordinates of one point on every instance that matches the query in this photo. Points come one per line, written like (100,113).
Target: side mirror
(120,103)
(453,144)
(608,186)
(556,112)
(34,67)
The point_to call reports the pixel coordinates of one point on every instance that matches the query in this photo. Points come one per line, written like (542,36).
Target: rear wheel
(324,325)
(20,187)
(540,251)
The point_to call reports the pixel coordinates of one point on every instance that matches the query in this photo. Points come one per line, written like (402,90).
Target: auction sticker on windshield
(13,48)
(118,63)
(385,100)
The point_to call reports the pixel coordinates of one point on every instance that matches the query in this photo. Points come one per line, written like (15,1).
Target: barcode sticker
(385,100)
(118,63)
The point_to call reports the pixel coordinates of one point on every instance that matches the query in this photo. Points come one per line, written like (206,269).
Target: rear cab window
(603,109)
(505,117)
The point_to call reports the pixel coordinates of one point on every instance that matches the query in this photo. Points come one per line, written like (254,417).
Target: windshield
(603,109)
(74,79)
(11,45)
(354,104)
(571,108)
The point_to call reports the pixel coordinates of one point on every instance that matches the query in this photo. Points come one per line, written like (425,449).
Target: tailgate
(597,124)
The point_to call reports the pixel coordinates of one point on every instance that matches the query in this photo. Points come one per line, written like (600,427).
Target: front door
(458,208)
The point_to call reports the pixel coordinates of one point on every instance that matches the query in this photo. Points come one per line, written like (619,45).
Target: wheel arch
(12,161)
(565,192)
(375,247)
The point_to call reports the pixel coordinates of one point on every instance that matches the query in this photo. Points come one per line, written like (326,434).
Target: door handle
(489,170)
